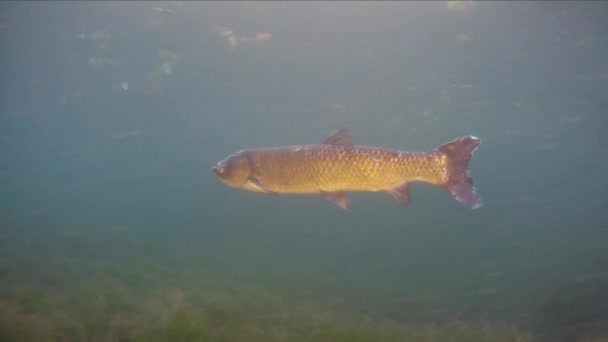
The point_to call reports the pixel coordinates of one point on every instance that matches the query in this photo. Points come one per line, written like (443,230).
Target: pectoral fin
(337,197)
(259,184)
(401,193)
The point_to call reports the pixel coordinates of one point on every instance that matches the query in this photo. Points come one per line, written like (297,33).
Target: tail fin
(460,183)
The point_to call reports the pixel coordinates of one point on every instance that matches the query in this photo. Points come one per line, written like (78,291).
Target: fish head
(233,171)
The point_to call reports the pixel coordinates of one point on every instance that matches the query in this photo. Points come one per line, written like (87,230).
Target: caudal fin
(460,184)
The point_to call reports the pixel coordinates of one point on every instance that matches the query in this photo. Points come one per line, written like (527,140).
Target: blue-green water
(113,227)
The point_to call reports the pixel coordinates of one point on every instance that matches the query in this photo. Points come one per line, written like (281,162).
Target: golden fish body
(310,169)
(336,166)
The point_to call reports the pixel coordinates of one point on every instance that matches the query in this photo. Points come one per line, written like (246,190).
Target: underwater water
(114,228)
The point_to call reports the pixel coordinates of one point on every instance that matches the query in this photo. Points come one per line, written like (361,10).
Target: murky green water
(113,227)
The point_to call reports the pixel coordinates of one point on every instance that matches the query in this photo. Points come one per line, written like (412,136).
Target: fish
(336,166)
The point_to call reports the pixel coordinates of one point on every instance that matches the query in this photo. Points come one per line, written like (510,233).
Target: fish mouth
(219,169)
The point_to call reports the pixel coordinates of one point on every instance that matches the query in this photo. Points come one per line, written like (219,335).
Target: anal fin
(401,193)
(337,197)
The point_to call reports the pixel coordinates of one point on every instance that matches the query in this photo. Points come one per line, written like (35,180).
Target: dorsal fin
(342,137)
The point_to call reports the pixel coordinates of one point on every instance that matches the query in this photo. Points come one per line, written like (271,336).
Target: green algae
(125,293)
(217,316)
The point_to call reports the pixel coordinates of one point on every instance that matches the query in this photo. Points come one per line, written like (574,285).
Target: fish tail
(460,184)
